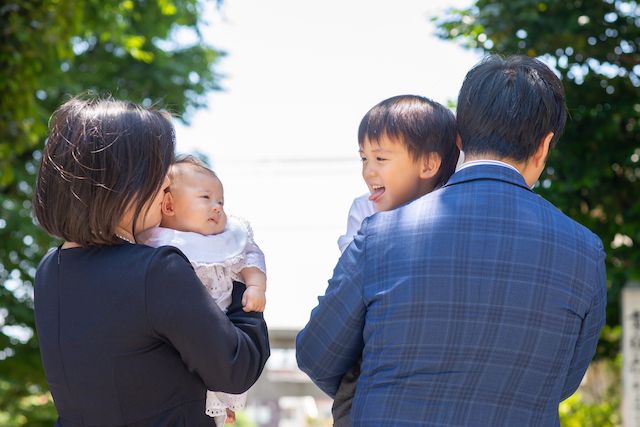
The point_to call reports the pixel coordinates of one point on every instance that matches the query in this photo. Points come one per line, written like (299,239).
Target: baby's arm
(253,270)
(254,298)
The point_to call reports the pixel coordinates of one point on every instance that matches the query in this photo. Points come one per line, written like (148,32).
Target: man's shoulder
(565,224)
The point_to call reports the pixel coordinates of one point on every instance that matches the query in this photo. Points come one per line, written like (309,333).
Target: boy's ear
(430,165)
(167,205)
(459,142)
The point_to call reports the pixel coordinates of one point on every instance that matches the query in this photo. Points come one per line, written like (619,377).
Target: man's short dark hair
(102,156)
(507,106)
(423,126)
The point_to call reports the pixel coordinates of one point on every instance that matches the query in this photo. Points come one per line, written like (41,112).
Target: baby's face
(198,202)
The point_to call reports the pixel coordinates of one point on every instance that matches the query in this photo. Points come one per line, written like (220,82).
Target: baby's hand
(254,299)
(231,417)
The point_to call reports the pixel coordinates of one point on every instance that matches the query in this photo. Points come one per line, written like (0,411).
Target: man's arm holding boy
(331,342)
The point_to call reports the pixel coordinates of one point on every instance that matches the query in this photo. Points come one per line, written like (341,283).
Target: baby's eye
(205,197)
(363,159)
(380,159)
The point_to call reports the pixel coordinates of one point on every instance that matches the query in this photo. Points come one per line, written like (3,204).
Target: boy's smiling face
(195,202)
(392,175)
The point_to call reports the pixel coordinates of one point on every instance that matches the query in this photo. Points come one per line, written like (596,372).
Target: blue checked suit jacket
(479,304)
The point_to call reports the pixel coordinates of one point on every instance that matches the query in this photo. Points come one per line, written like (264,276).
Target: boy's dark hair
(506,107)
(420,124)
(102,156)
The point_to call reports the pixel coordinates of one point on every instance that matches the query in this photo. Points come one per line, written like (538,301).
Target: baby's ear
(167,205)
(430,165)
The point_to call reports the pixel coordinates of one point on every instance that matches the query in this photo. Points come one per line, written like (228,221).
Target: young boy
(408,149)
(220,248)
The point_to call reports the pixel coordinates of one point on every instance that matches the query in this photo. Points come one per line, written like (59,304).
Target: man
(479,304)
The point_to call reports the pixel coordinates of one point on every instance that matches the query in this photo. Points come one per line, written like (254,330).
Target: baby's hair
(420,124)
(190,159)
(102,156)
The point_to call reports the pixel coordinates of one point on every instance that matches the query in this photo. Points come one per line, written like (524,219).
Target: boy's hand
(254,299)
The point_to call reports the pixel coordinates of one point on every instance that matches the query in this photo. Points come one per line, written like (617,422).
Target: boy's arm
(254,298)
(360,209)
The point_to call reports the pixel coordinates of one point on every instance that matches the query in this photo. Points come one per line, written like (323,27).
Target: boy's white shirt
(361,208)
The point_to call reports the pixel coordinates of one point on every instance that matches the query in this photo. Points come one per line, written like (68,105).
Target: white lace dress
(217,260)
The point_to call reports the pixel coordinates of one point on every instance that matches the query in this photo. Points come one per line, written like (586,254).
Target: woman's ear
(167,204)
(430,165)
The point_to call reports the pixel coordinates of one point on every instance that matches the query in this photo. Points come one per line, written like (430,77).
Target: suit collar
(488,172)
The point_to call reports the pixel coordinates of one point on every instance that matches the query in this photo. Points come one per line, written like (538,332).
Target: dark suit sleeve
(592,324)
(332,340)
(227,352)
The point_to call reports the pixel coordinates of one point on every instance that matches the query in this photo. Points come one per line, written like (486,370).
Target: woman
(127,333)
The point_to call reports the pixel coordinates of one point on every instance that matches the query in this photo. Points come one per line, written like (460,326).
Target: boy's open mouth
(377,192)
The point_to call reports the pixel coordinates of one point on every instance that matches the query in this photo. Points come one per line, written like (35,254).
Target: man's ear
(533,167)
(167,204)
(458,142)
(540,157)
(430,165)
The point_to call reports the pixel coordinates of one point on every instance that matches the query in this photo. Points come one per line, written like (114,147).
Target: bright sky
(283,134)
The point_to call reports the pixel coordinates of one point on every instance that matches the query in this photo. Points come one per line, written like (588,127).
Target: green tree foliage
(575,413)
(49,50)
(598,403)
(593,173)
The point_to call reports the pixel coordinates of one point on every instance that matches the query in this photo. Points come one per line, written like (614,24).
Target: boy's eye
(380,159)
(363,159)
(205,197)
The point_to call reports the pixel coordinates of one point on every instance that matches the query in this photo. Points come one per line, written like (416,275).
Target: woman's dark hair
(420,124)
(102,157)
(506,107)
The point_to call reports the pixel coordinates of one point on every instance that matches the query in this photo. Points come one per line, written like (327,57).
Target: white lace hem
(218,402)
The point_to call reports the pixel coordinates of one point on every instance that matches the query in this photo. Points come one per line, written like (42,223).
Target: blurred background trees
(146,51)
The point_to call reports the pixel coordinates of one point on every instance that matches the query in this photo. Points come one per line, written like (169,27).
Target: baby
(408,149)
(220,248)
